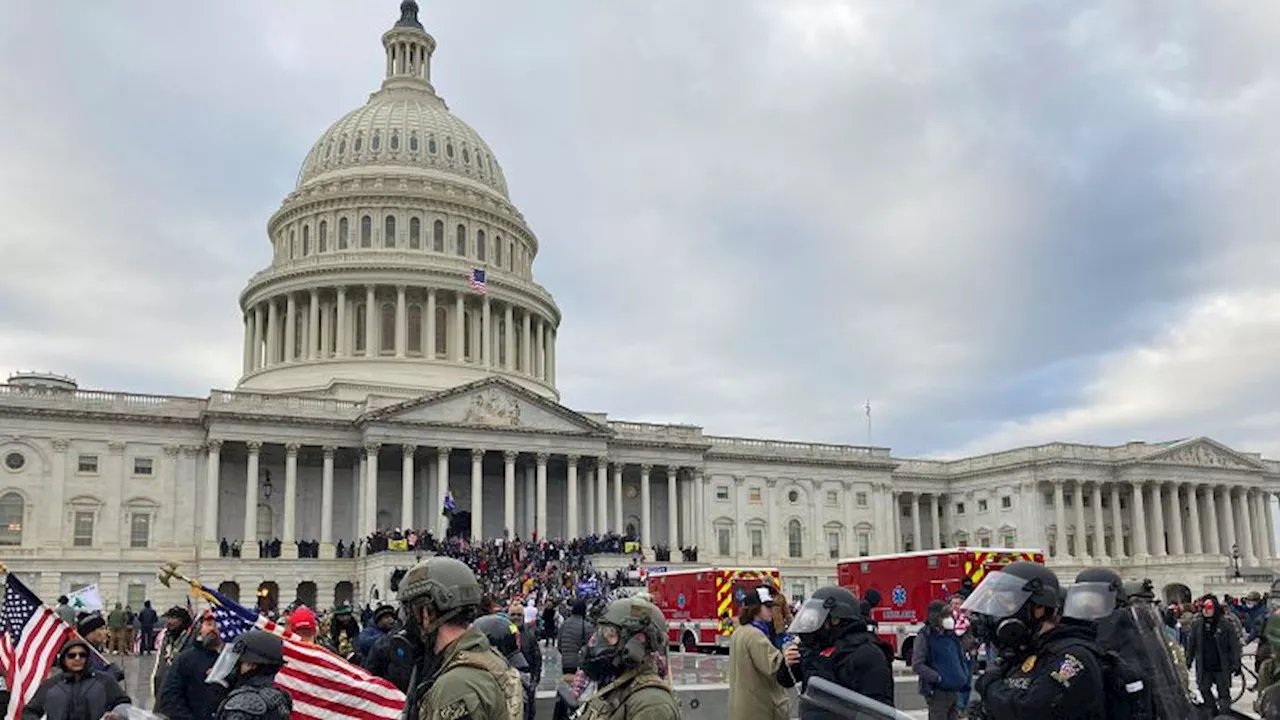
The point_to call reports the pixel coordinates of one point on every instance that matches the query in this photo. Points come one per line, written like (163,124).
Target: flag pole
(868,422)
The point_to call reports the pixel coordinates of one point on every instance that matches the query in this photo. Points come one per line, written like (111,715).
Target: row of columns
(326,323)
(598,494)
(1234,517)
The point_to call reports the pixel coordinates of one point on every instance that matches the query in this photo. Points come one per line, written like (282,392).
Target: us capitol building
(377,379)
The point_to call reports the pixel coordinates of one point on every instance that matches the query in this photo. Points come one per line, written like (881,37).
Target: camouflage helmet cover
(634,616)
(443,583)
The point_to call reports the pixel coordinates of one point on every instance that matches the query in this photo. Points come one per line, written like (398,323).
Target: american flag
(32,636)
(476,281)
(321,684)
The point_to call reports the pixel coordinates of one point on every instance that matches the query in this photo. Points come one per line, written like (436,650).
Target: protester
(147,620)
(755,664)
(78,692)
(185,695)
(176,623)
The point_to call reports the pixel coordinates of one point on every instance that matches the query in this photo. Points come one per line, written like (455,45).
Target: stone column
(917,542)
(313,324)
(486,334)
(259,337)
(248,342)
(371,487)
(1212,545)
(211,492)
(326,329)
(1262,546)
(895,522)
(429,342)
(249,532)
(477,494)
(273,333)
(1060,518)
(646,519)
(541,518)
(699,507)
(551,356)
(370,321)
(602,494)
(1138,528)
(287,548)
(1159,540)
(327,550)
(673,530)
(530,501)
(590,515)
(526,354)
(340,325)
(619,525)
(1117,524)
(1082,532)
(459,352)
(290,327)
(1228,522)
(1196,546)
(402,325)
(1270,525)
(408,455)
(442,490)
(508,337)
(571,526)
(1248,556)
(509,492)
(1099,524)
(1175,517)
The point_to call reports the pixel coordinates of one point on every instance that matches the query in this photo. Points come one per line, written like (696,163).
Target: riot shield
(844,703)
(1164,659)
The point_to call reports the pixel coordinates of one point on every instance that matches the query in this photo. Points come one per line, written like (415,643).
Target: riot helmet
(1010,599)
(446,588)
(1094,595)
(265,650)
(627,634)
(504,636)
(1138,592)
(828,603)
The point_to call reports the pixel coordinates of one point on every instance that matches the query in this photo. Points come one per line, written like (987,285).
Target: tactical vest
(507,678)
(604,704)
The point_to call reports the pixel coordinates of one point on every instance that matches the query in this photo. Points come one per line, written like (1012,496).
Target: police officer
(504,636)
(250,671)
(461,677)
(622,659)
(837,645)
(1045,670)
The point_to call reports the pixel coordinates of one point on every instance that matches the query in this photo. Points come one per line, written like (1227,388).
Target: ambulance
(700,605)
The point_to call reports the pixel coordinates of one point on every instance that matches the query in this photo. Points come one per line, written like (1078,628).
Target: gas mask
(599,659)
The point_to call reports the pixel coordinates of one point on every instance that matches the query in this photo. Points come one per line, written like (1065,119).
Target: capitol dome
(399,264)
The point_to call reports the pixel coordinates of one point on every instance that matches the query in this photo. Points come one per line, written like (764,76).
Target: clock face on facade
(632,491)
(14,461)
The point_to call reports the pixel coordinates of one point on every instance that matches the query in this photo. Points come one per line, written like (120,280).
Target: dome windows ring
(15,461)
(431,146)
(413,142)
(328,150)
(448,149)
(395,140)
(342,147)
(466,156)
(359,145)
(375,142)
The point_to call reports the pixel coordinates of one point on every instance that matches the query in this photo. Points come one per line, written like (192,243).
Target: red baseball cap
(302,619)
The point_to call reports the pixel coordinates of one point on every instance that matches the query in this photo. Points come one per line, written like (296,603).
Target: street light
(1235,559)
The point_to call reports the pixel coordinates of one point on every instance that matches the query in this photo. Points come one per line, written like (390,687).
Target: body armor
(507,678)
(256,703)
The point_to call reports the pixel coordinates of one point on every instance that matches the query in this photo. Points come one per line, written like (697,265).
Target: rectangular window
(833,497)
(1085,500)
(757,543)
(860,499)
(1109,543)
(797,592)
(1124,505)
(1088,544)
(833,545)
(1006,502)
(143,466)
(87,464)
(722,540)
(722,492)
(1128,546)
(83,536)
(139,530)
(959,508)
(1048,499)
(753,495)
(136,596)
(982,506)
(864,544)
(1068,501)
(1009,538)
(1106,502)
(984,541)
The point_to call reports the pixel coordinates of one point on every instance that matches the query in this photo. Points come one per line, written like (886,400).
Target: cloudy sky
(1005,223)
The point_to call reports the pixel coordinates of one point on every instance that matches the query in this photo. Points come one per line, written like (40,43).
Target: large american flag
(32,636)
(321,684)
(477,280)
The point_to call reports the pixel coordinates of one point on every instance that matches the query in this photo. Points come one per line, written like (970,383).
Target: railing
(653,431)
(786,448)
(99,400)
(1244,578)
(227,400)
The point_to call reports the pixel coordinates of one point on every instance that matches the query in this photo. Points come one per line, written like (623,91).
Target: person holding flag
(185,695)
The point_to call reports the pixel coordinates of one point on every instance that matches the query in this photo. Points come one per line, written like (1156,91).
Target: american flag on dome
(321,684)
(476,281)
(32,636)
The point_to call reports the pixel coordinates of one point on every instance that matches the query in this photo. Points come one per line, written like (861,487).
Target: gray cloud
(1003,223)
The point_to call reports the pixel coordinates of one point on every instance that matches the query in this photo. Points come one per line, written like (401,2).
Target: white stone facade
(376,378)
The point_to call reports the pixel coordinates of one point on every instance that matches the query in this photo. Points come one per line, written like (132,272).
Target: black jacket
(148,618)
(574,634)
(858,661)
(1226,640)
(185,694)
(86,696)
(532,651)
(393,658)
(1059,679)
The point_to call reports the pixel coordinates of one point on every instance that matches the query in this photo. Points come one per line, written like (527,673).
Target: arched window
(324,236)
(511,256)
(431,145)
(389,231)
(448,148)
(342,146)
(497,250)
(359,144)
(344,233)
(466,156)
(442,331)
(360,328)
(480,246)
(437,236)
(375,142)
(413,141)
(366,231)
(12,509)
(395,140)
(795,541)
(460,240)
(415,234)
(306,240)
(415,329)
(292,244)
(388,328)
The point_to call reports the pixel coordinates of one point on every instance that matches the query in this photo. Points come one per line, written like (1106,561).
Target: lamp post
(1235,560)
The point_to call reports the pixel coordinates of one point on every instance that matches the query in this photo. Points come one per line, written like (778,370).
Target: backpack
(1127,690)
(507,678)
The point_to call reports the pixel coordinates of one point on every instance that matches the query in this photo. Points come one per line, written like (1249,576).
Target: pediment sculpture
(1203,455)
(492,407)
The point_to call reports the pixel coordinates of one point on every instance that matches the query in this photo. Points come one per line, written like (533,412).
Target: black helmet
(261,647)
(1094,595)
(504,636)
(1003,592)
(835,602)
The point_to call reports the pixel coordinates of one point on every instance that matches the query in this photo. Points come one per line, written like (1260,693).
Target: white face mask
(948,623)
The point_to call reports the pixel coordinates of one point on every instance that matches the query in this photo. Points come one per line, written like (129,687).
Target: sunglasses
(77,656)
